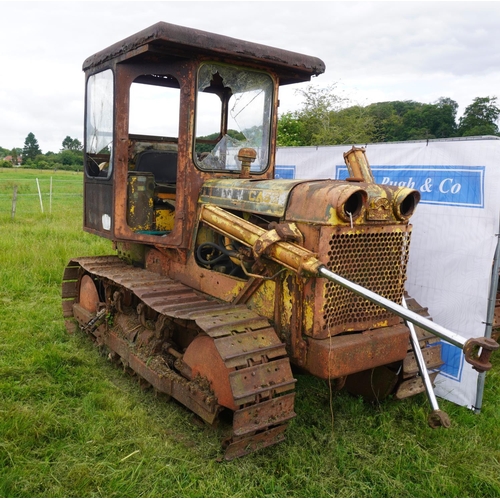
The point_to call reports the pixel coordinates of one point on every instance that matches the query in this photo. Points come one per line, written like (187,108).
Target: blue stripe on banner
(451,185)
(453,361)
(284,172)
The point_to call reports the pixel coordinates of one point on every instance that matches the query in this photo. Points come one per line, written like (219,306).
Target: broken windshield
(233,112)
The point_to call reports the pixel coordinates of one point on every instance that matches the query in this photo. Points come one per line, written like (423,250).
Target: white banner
(454,230)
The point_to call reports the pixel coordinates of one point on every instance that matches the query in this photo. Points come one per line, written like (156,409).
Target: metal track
(402,379)
(256,362)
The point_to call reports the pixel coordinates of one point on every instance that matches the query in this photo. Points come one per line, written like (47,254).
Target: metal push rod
(469,346)
(437,417)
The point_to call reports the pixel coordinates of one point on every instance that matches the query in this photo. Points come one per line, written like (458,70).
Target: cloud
(375,51)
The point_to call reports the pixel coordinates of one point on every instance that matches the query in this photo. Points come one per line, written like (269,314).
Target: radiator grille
(374,259)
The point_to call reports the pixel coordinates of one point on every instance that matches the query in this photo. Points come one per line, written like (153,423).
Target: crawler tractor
(224,277)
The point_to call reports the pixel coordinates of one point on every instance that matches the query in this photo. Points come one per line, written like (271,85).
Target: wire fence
(42,195)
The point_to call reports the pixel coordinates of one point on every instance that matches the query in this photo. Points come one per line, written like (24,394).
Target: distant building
(13,160)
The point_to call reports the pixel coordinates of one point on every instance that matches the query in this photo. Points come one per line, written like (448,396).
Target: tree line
(327,119)
(70,157)
(324,119)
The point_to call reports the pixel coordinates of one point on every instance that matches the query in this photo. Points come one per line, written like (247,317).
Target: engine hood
(260,196)
(315,201)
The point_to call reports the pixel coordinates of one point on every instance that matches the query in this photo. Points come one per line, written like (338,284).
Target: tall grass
(72,425)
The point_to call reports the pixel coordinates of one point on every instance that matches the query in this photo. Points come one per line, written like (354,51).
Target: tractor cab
(168,109)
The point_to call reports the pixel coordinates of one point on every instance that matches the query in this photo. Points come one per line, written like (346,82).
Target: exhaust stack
(358,166)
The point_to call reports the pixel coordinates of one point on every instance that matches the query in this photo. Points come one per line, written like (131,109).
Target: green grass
(72,425)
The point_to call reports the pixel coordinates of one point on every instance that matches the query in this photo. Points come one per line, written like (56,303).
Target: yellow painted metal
(290,255)
(140,202)
(164,219)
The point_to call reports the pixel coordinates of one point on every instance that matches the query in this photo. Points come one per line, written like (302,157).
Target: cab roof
(172,39)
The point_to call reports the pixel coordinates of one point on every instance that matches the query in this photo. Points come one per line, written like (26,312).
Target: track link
(148,321)
(410,380)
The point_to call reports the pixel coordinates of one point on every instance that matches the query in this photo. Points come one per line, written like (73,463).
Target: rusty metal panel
(261,380)
(265,197)
(271,412)
(432,357)
(246,445)
(98,203)
(343,355)
(231,319)
(235,350)
(290,66)
(323,202)
(140,192)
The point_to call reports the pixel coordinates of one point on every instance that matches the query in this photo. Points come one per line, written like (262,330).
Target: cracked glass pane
(233,111)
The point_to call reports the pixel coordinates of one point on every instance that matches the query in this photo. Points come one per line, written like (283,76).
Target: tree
(480,117)
(445,124)
(291,130)
(31,148)
(318,122)
(16,153)
(71,144)
(69,157)
(5,164)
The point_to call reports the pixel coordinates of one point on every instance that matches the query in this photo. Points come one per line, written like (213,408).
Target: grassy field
(72,425)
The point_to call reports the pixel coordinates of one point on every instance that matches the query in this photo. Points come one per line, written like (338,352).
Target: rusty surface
(196,331)
(358,165)
(432,357)
(271,412)
(204,360)
(89,298)
(412,386)
(261,381)
(376,258)
(327,202)
(439,418)
(478,351)
(291,67)
(164,380)
(236,361)
(261,197)
(140,201)
(287,254)
(235,350)
(244,446)
(343,355)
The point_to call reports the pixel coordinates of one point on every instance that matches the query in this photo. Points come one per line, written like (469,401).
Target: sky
(373,51)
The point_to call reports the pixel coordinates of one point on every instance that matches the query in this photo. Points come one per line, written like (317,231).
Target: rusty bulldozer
(225,277)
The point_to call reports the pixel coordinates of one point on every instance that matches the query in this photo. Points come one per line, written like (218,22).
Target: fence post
(39,194)
(14,201)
